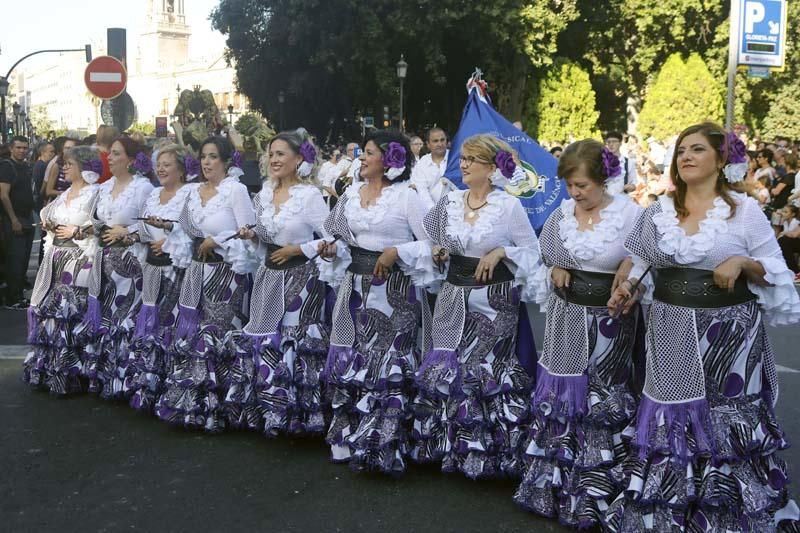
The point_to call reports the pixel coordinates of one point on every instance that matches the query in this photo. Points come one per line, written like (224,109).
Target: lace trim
(171,209)
(688,249)
(363,219)
(61,212)
(488,217)
(106,205)
(298,196)
(586,245)
(218,201)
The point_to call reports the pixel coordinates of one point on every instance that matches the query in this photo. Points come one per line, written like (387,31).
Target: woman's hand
(485,269)
(384,264)
(114,234)
(158,222)
(282,255)
(66,232)
(726,274)
(326,250)
(623,271)
(246,233)
(206,248)
(561,278)
(622,299)
(155,246)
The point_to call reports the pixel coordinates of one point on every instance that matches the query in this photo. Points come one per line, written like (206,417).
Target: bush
(684,93)
(563,107)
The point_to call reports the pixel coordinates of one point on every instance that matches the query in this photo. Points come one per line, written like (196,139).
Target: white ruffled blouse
(297,220)
(394,219)
(600,249)
(221,217)
(748,233)
(75,212)
(128,204)
(176,243)
(502,222)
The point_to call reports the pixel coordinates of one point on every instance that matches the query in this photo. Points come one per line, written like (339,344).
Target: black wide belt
(64,243)
(364,261)
(119,243)
(691,287)
(590,289)
(296,261)
(212,257)
(461,272)
(158,260)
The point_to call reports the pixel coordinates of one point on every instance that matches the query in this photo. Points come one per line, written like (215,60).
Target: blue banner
(542,192)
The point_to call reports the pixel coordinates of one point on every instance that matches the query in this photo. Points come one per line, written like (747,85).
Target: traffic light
(386,116)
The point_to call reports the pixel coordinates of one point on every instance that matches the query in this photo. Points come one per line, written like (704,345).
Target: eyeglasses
(467,161)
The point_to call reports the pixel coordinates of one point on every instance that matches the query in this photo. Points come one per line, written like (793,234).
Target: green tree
(783,118)
(625,41)
(145,128)
(684,93)
(564,106)
(335,59)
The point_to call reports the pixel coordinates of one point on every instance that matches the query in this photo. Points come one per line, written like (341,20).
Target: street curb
(14,351)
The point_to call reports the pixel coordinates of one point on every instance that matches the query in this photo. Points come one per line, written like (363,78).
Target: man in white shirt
(626,181)
(327,173)
(428,174)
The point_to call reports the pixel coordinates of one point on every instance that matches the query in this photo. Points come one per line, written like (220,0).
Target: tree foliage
(334,59)
(564,105)
(783,117)
(684,93)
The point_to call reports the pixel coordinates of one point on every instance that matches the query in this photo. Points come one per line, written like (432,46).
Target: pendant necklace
(472,213)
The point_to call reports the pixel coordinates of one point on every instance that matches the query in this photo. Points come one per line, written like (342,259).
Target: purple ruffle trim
(440,370)
(188,322)
(31,325)
(339,362)
(146,321)
(677,419)
(256,342)
(94,313)
(559,396)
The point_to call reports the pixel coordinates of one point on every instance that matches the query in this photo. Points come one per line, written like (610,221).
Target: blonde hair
(106,135)
(177,151)
(485,147)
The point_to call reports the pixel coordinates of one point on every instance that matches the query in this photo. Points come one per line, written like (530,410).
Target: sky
(71,24)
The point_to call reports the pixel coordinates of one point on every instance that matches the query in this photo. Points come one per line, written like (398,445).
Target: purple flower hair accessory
(192,165)
(141,164)
(394,156)
(611,165)
(737,151)
(505,163)
(736,168)
(93,165)
(236,159)
(308,152)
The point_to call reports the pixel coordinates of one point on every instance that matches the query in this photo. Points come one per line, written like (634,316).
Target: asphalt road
(84,464)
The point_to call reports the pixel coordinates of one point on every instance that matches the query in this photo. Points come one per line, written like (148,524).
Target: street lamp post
(402,70)
(3,118)
(281,99)
(15,109)
(23,121)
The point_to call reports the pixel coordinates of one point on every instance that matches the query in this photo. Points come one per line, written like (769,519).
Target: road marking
(14,351)
(786,369)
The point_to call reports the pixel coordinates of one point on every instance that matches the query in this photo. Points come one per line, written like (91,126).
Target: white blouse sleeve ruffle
(331,271)
(523,257)
(779,300)
(416,260)
(179,247)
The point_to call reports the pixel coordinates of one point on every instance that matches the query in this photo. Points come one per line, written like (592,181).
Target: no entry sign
(105,77)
